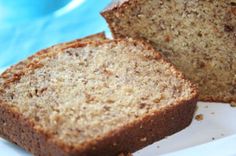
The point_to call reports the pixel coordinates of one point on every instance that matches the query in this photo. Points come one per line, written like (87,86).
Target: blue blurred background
(27,26)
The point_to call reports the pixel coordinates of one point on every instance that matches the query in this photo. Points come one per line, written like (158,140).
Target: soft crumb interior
(85,92)
(198,36)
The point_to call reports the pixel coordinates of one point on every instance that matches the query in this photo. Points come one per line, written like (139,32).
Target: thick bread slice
(198,36)
(96,98)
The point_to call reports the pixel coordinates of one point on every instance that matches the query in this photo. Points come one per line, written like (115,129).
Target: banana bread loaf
(198,36)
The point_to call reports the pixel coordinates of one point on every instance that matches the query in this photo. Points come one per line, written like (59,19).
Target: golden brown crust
(17,129)
(115,4)
(141,132)
(14,72)
(14,127)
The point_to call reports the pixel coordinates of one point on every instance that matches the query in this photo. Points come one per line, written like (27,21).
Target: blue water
(20,40)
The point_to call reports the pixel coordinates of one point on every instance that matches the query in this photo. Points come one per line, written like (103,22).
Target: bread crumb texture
(122,154)
(83,93)
(198,36)
(199,117)
(233,104)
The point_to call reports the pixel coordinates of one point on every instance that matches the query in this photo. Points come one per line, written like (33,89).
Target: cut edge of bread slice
(129,138)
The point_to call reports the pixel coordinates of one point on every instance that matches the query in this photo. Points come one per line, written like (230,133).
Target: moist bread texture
(198,36)
(94,98)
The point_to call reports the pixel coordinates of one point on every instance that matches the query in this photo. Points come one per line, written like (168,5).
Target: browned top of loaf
(32,62)
(182,91)
(115,4)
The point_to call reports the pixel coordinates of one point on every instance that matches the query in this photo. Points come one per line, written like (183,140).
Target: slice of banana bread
(94,98)
(198,36)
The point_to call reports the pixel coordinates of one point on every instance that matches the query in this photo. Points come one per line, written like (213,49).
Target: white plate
(214,135)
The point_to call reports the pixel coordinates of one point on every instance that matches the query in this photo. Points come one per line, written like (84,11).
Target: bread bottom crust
(22,131)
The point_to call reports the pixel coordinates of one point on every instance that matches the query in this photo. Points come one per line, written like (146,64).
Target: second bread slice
(197,36)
